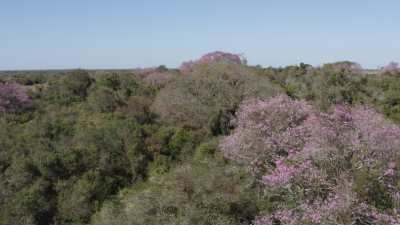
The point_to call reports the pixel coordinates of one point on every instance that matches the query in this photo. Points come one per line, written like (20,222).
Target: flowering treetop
(213,57)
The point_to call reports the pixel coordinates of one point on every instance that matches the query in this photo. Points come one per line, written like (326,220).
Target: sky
(94,34)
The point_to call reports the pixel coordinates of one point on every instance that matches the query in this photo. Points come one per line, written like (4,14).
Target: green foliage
(206,149)
(138,108)
(220,122)
(385,91)
(78,200)
(194,99)
(83,160)
(30,205)
(109,80)
(195,193)
(73,87)
(103,100)
(169,144)
(368,187)
(337,83)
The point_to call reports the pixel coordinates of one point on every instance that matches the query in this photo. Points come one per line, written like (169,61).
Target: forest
(213,142)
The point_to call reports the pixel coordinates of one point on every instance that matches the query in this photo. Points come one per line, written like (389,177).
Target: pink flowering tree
(391,68)
(341,207)
(13,98)
(211,57)
(323,161)
(266,131)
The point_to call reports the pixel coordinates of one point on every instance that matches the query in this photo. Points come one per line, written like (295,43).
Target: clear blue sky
(41,34)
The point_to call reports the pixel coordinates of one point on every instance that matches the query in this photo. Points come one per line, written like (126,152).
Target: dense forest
(215,142)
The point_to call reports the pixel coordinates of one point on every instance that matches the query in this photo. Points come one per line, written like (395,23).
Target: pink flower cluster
(391,170)
(286,217)
(216,56)
(338,209)
(265,127)
(293,147)
(13,98)
(284,173)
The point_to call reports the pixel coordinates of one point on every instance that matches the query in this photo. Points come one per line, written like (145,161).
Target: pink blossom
(13,98)
(284,173)
(295,150)
(285,217)
(390,171)
(266,127)
(216,56)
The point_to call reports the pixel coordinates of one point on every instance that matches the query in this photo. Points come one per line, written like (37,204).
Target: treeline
(213,142)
